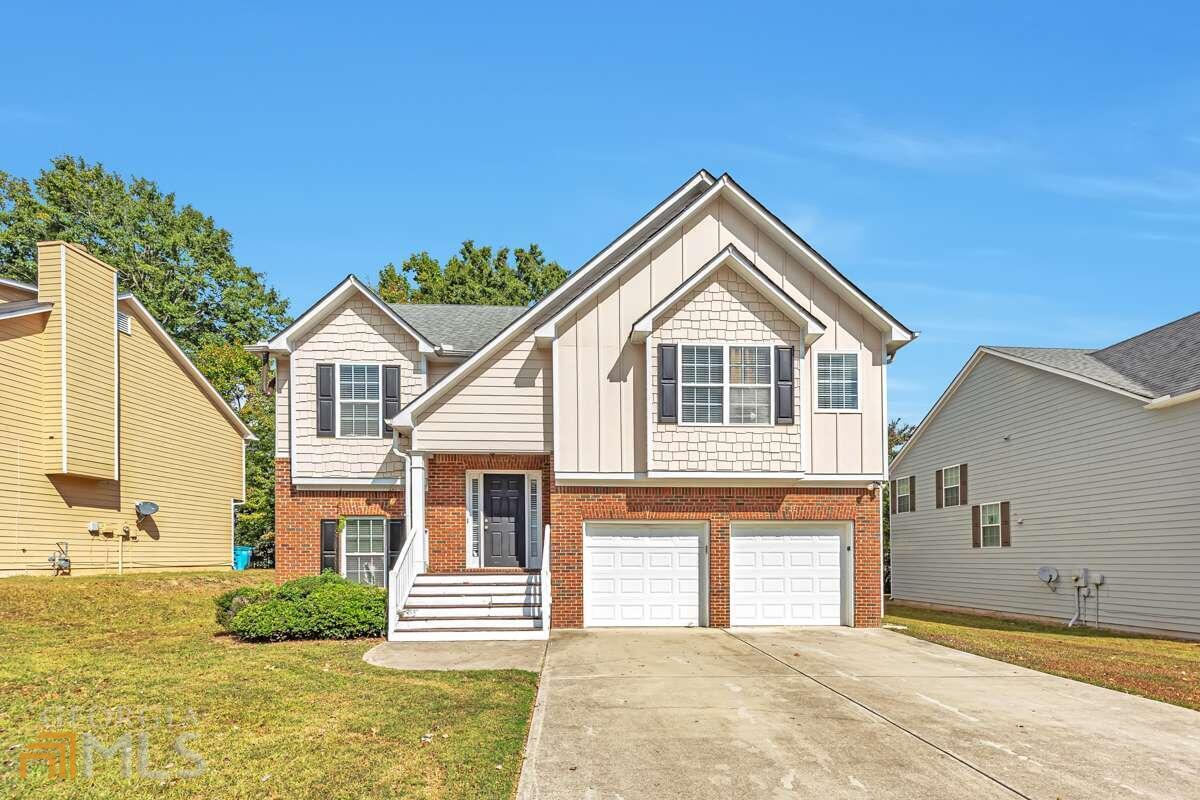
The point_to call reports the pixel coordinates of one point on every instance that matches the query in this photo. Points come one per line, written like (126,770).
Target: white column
(416,514)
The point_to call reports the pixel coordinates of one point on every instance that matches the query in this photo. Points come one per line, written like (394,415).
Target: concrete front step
(515,598)
(485,578)
(468,635)
(514,590)
(468,609)
(458,623)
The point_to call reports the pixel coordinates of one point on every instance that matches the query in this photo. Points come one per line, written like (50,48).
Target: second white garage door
(642,575)
(784,576)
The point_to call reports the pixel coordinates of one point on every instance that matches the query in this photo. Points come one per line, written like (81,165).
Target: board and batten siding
(502,406)
(1094,480)
(176,449)
(602,392)
(356,331)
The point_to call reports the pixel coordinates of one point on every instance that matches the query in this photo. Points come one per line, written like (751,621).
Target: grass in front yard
(288,720)
(1161,669)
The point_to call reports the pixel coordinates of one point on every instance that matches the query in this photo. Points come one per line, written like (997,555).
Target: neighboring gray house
(1062,458)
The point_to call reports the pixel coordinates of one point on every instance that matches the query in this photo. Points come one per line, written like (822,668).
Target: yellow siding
(91,366)
(11,293)
(50,258)
(176,448)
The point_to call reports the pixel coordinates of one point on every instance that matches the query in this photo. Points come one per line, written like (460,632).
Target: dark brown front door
(504,520)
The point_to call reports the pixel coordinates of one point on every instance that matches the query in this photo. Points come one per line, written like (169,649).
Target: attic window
(123,323)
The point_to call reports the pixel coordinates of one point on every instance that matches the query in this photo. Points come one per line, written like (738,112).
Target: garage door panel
(785,578)
(639,575)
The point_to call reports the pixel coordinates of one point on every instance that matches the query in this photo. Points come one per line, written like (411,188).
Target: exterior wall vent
(123,323)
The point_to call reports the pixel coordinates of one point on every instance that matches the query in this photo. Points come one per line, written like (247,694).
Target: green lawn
(1161,669)
(289,720)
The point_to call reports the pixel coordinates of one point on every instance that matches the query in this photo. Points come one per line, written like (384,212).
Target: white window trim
(533,555)
(342,544)
(816,382)
(725,386)
(337,398)
(955,486)
(907,483)
(999,526)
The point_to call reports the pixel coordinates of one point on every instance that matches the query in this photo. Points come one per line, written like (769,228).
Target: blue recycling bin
(241,557)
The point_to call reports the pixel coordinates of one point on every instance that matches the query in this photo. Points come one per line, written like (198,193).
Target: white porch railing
(408,566)
(544,580)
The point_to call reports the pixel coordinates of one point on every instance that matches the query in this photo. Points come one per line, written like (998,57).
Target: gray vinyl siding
(1095,480)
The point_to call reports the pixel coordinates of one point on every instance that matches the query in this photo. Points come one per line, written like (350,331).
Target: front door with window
(503,520)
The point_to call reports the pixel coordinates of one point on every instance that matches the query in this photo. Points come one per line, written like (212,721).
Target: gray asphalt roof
(463,328)
(1163,361)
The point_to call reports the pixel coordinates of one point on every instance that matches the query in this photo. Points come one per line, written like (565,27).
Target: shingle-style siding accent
(725,310)
(571,506)
(355,331)
(298,516)
(282,398)
(1094,480)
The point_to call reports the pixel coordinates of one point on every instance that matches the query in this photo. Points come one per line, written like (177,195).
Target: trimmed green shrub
(230,603)
(319,607)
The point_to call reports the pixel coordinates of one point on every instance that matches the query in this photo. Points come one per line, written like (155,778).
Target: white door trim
(703,534)
(533,553)
(845,550)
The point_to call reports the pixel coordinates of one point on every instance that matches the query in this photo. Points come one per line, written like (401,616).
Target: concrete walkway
(831,713)
(526,655)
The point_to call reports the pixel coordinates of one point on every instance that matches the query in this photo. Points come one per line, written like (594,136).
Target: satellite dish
(145,508)
(1047,574)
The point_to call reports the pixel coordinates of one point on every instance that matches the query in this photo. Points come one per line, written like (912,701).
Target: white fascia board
(19,285)
(1168,400)
(191,369)
(404,418)
(732,257)
(283,341)
(39,308)
(684,478)
(367,484)
(898,333)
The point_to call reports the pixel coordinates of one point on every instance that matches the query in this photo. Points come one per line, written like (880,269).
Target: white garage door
(784,577)
(638,574)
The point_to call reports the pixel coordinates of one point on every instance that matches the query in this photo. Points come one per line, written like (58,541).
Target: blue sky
(1028,174)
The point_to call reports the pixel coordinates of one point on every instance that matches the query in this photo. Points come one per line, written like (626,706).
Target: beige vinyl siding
(356,331)
(602,376)
(1094,480)
(436,370)
(282,406)
(502,406)
(177,449)
(91,366)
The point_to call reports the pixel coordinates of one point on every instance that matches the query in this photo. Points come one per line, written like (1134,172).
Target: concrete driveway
(835,712)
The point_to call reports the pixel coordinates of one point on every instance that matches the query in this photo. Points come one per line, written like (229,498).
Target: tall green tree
(180,264)
(177,261)
(474,274)
(898,434)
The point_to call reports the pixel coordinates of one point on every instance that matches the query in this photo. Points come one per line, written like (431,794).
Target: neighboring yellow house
(101,411)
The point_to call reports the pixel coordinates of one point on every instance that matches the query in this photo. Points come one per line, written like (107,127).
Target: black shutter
(324,399)
(668,382)
(1005,526)
(395,541)
(912,492)
(938,487)
(329,545)
(962,484)
(391,397)
(976,531)
(892,495)
(785,413)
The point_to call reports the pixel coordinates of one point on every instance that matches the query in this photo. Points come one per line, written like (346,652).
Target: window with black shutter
(391,396)
(325,399)
(329,545)
(668,383)
(785,412)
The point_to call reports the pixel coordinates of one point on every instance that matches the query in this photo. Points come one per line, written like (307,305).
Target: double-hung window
(903,495)
(365,550)
(359,412)
(837,381)
(725,385)
(989,524)
(702,399)
(950,486)
(749,385)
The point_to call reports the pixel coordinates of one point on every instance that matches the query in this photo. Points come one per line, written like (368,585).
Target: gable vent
(123,323)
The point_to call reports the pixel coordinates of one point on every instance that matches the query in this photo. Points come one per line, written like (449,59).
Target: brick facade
(298,518)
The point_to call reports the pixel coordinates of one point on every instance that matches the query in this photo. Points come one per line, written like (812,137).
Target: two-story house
(689,431)
(115,453)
